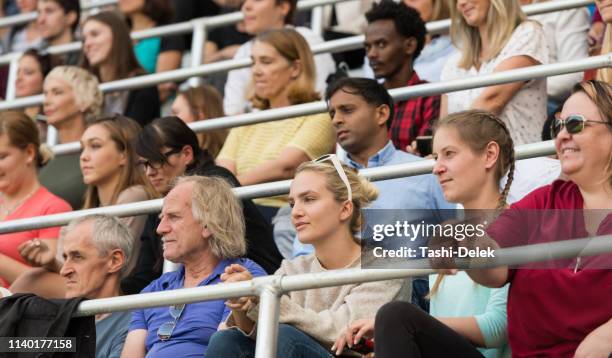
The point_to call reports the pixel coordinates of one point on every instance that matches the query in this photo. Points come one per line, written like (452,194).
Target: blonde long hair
(605,74)
(503,17)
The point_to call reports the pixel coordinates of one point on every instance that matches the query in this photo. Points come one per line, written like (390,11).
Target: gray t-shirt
(110,334)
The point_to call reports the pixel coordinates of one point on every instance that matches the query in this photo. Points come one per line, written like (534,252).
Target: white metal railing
(22,19)
(249,192)
(521,74)
(270,288)
(199,27)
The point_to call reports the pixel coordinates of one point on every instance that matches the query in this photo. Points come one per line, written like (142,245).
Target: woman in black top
(168,148)
(108,53)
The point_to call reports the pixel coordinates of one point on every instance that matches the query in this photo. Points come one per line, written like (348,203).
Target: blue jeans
(292,342)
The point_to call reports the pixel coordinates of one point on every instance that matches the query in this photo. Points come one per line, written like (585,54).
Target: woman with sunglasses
(473,151)
(326,199)
(167,148)
(563,311)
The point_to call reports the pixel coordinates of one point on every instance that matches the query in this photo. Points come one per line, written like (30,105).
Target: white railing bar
(267,323)
(525,73)
(21,19)
(180,28)
(518,255)
(249,192)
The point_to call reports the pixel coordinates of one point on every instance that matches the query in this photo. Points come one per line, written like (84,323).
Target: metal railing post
(267,323)
(52,137)
(317,19)
(197,49)
(12,79)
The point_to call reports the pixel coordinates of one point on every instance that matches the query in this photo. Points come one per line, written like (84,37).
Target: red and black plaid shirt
(413,117)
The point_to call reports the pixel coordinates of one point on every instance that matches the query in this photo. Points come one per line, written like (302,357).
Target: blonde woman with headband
(21,193)
(327,200)
(71,96)
(473,151)
(495,36)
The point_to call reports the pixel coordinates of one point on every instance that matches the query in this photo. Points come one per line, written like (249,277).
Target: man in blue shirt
(202,228)
(361,110)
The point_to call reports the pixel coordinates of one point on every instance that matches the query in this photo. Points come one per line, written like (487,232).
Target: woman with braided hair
(473,151)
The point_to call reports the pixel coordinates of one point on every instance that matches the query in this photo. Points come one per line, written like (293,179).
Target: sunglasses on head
(336,162)
(574,124)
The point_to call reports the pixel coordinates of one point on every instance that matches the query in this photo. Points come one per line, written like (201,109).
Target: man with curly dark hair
(394,38)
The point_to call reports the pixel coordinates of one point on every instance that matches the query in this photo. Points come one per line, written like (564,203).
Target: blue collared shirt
(198,321)
(407,193)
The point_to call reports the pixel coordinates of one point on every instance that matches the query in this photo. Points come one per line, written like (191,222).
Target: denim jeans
(292,342)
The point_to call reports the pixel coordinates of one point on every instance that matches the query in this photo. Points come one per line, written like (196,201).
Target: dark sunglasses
(164,332)
(144,164)
(574,123)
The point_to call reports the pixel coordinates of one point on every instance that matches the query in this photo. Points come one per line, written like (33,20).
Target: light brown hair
(293,47)
(206,102)
(22,132)
(503,17)
(122,131)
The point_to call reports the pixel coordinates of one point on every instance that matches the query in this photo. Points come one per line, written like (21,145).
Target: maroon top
(550,311)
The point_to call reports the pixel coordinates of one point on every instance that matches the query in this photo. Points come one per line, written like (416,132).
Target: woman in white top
(494,36)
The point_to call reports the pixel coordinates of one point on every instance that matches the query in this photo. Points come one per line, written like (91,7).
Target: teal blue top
(146,51)
(459,296)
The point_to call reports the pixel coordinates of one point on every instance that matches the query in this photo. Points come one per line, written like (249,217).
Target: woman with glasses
(327,200)
(562,308)
(167,149)
(108,165)
(494,36)
(283,74)
(473,151)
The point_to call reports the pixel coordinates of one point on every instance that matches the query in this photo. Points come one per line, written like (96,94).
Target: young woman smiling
(473,151)
(327,200)
(494,36)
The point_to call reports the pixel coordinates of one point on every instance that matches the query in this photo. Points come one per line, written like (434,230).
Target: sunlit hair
(215,206)
(440,10)
(121,56)
(605,74)
(503,17)
(292,46)
(87,95)
(23,132)
(108,234)
(601,94)
(363,191)
(206,102)
(122,131)
(478,128)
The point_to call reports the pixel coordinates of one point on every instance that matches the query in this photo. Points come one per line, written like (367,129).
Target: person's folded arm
(598,343)
(10,268)
(495,98)
(280,168)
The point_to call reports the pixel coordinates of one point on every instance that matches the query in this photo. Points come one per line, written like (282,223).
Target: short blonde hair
(84,85)
(293,47)
(503,17)
(363,191)
(214,205)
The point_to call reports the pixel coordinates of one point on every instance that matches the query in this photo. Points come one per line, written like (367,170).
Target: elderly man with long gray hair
(202,228)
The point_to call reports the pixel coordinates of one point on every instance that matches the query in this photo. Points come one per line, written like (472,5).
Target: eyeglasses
(336,162)
(144,164)
(164,332)
(574,124)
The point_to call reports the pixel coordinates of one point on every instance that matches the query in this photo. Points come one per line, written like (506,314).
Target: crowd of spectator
(137,145)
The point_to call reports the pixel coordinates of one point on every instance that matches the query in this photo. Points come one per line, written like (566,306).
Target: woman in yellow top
(283,75)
